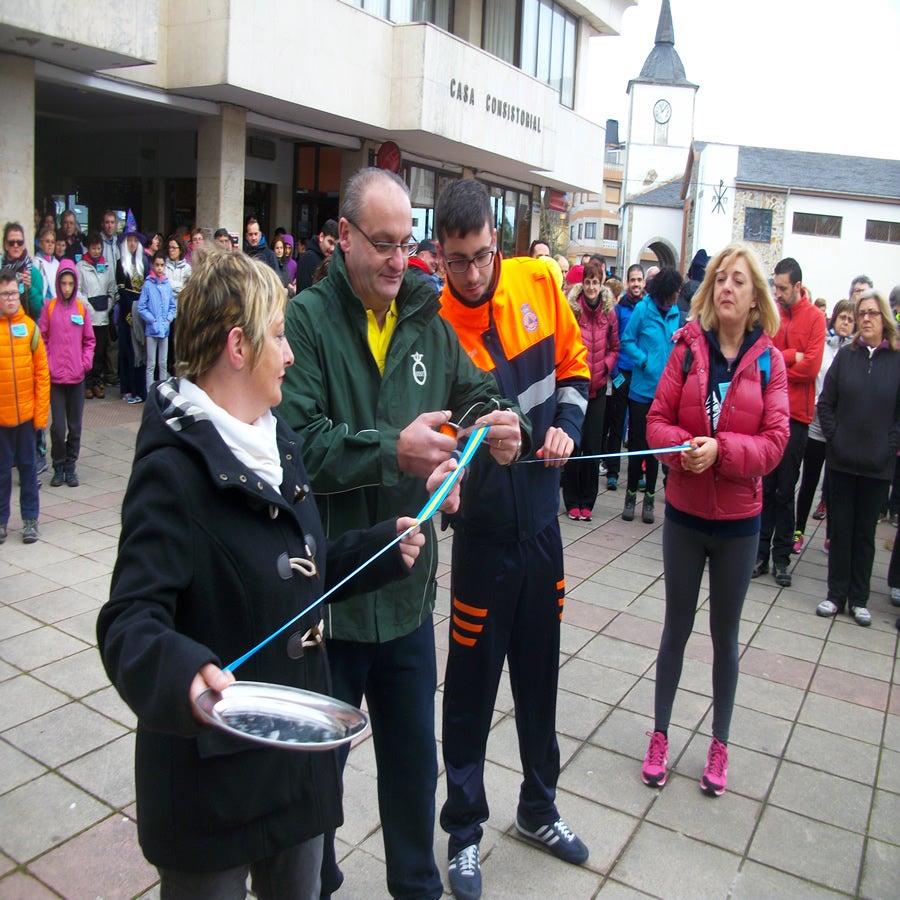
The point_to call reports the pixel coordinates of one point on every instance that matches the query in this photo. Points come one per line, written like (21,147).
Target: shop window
(883,232)
(819,225)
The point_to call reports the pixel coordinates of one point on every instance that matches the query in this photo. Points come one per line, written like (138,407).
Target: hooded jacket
(200,578)
(350,416)
(98,284)
(178,272)
(648,342)
(24,376)
(600,333)
(752,429)
(67,332)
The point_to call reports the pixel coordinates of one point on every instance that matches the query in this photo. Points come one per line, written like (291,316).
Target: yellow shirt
(380,336)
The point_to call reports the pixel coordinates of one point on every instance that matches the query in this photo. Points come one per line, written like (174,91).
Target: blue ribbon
(655,452)
(427,511)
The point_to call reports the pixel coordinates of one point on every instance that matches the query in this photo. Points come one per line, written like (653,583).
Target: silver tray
(279,716)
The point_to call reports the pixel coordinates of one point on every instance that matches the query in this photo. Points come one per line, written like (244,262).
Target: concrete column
(282,208)
(17,142)
(221,148)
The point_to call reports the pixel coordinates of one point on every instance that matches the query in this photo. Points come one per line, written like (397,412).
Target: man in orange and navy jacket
(507,581)
(801,340)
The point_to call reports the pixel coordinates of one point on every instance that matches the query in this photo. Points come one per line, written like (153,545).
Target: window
(613,193)
(883,232)
(571,232)
(435,11)
(536,35)
(590,231)
(821,226)
(610,232)
(512,215)
(580,231)
(758,225)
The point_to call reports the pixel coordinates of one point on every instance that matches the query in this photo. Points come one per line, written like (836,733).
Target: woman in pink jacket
(723,392)
(69,338)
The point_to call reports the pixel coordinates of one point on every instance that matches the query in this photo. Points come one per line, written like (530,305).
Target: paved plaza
(813,801)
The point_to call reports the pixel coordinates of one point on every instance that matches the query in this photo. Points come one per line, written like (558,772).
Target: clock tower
(660,114)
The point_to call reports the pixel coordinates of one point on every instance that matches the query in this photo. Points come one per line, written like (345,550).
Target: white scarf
(253,445)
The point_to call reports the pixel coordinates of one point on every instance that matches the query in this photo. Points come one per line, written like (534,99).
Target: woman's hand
(703,453)
(412,543)
(209,676)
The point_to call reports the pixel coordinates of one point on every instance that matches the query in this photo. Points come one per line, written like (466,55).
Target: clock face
(662,111)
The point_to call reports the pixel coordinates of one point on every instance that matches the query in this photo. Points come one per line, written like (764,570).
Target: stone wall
(770,253)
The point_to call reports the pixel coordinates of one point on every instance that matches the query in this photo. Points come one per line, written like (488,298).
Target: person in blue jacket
(156,307)
(648,342)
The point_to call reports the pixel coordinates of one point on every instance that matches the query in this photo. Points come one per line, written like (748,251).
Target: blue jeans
(398,679)
(17,449)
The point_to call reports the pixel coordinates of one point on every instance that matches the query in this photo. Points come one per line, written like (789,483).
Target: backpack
(53,304)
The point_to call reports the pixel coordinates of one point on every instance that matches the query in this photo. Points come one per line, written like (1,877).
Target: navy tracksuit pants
(507,602)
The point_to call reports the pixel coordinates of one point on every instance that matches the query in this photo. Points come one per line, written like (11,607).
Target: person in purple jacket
(69,338)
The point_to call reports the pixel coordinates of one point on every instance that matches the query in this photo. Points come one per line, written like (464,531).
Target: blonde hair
(226,290)
(890,333)
(703,306)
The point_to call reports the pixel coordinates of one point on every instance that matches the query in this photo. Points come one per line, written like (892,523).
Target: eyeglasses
(845,317)
(386,248)
(480,261)
(868,313)
(8,295)
(15,243)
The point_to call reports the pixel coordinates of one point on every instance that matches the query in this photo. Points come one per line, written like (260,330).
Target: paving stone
(880,870)
(615,654)
(821,796)
(755,730)
(885,820)
(55,605)
(594,681)
(23,698)
(889,771)
(669,864)
(727,822)
(769,697)
(688,712)
(859,662)
(44,813)
(756,881)
(808,849)
(847,686)
(77,675)
(14,622)
(20,886)
(843,718)
(108,702)
(104,861)
(16,768)
(107,772)
(63,734)
(36,648)
(607,778)
(776,667)
(798,646)
(833,753)
(750,773)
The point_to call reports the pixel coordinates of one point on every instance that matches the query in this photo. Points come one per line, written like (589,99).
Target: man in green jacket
(377,372)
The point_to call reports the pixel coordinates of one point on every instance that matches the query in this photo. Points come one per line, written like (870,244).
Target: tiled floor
(813,801)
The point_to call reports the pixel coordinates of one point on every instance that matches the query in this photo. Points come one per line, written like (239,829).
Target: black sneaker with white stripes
(556,838)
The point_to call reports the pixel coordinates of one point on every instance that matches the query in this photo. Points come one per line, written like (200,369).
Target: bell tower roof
(664,65)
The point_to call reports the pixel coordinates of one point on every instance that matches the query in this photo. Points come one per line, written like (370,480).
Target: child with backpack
(24,402)
(69,338)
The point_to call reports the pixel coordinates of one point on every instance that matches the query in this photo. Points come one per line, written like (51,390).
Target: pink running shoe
(655,762)
(586,515)
(574,514)
(715,776)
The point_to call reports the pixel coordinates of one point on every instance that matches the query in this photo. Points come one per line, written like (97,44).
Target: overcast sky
(817,75)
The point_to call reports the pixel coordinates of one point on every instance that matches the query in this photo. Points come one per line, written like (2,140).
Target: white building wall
(829,264)
(652,224)
(714,195)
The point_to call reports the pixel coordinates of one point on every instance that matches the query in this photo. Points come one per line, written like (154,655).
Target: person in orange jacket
(24,405)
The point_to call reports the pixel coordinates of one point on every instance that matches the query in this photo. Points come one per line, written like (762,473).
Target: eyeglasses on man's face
(15,242)
(480,261)
(8,295)
(386,248)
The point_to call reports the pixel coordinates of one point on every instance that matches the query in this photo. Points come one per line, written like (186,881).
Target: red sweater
(752,431)
(802,330)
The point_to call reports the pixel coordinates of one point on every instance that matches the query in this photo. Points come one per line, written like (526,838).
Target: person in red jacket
(723,392)
(594,308)
(801,340)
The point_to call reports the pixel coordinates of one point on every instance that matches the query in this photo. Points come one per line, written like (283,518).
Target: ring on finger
(500,443)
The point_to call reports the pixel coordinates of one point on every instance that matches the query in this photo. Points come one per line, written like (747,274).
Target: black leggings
(813,461)
(637,440)
(731,560)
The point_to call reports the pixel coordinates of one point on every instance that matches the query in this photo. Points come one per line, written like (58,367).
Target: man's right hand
(421,448)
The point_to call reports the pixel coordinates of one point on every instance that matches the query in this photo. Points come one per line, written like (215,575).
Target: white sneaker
(895,596)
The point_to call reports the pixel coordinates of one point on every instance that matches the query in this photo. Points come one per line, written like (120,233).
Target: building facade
(206,112)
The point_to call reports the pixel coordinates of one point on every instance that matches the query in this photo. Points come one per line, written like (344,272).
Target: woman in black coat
(859,410)
(221,544)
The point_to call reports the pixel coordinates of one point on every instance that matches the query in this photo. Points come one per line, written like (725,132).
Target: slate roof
(664,65)
(826,172)
(668,194)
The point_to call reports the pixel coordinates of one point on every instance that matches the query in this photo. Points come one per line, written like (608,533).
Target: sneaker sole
(654,783)
(550,848)
(709,789)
